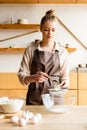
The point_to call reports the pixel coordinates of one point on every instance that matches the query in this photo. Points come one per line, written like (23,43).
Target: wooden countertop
(75,119)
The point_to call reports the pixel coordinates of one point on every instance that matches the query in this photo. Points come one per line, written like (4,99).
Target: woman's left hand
(63,84)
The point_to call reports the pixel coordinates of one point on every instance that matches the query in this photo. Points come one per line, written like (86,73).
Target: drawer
(10,81)
(13,93)
(73,80)
(82,80)
(82,96)
(72,93)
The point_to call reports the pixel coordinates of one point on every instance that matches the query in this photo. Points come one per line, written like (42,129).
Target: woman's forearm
(29,79)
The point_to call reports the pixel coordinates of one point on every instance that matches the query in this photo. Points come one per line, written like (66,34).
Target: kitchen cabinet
(82,94)
(72,92)
(73,80)
(13,93)
(73,86)
(81,1)
(10,86)
(82,85)
(82,78)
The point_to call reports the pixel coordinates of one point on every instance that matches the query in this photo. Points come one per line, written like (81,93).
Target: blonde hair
(50,15)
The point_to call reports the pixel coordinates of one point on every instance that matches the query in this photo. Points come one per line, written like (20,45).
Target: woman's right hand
(39,77)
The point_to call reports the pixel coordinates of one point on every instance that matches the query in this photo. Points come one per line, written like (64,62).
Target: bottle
(11,20)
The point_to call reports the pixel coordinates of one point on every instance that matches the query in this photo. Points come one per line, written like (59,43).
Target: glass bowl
(58,104)
(8,105)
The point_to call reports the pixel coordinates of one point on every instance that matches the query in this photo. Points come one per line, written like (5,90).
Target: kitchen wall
(74,17)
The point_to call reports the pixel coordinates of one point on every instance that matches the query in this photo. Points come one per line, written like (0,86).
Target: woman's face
(49,29)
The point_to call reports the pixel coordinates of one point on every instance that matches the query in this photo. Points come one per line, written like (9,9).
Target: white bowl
(22,21)
(11,105)
(57,104)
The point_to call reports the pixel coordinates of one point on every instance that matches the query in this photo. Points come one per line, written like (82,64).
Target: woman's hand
(63,85)
(40,77)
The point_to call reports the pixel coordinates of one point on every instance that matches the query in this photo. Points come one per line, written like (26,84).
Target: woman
(44,62)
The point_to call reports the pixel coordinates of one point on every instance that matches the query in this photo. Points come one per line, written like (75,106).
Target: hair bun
(50,12)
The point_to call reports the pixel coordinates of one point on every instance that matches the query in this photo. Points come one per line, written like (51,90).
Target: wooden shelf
(21,50)
(23,26)
(71,49)
(18,1)
(41,1)
(12,50)
(19,26)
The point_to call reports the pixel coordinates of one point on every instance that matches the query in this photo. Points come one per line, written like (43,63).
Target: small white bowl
(11,105)
(22,21)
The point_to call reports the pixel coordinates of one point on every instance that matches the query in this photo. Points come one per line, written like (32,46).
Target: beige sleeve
(24,69)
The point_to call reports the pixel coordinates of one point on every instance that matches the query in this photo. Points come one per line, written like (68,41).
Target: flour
(59,109)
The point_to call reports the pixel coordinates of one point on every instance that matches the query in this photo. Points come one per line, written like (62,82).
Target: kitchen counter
(75,119)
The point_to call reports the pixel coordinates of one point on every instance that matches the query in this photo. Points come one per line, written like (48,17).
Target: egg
(22,122)
(39,116)
(26,116)
(35,120)
(30,115)
(14,119)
